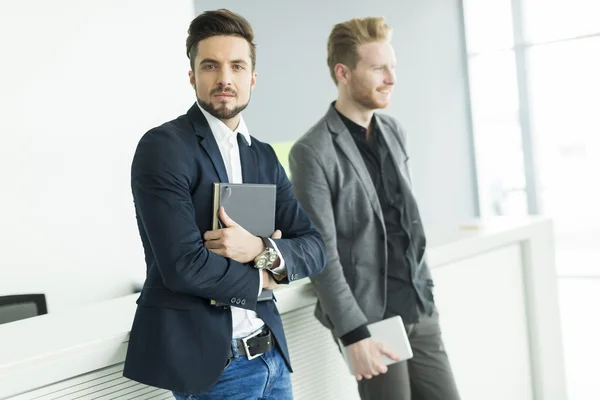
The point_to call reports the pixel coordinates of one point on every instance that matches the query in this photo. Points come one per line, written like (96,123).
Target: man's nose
(390,77)
(225,76)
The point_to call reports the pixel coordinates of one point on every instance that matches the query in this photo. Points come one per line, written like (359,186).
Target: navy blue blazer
(178,340)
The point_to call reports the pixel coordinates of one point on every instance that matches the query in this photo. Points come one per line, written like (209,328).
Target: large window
(534,68)
(495,108)
(557,45)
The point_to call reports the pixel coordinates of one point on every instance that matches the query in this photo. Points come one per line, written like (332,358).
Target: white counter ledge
(495,289)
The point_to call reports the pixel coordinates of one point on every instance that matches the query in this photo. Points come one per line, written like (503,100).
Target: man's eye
(238,67)
(209,66)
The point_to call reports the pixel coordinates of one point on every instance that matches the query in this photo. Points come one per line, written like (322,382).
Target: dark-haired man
(179,341)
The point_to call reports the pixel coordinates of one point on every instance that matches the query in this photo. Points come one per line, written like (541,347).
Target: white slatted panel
(105,384)
(320,372)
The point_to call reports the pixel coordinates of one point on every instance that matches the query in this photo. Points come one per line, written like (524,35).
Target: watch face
(261,263)
(272,257)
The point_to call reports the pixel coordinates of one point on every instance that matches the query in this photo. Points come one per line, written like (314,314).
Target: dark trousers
(426,376)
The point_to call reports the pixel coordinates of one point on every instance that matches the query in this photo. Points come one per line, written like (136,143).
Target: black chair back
(21,306)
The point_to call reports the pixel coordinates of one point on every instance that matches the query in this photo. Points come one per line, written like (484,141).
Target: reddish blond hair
(344,39)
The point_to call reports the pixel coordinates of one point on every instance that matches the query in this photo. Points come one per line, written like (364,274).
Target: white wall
(294,88)
(80,83)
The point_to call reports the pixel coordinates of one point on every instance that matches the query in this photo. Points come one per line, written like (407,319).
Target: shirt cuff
(356,335)
(281,269)
(260,282)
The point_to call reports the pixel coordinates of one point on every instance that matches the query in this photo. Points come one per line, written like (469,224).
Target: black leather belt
(254,345)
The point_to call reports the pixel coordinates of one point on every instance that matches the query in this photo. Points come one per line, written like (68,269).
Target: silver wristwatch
(268,257)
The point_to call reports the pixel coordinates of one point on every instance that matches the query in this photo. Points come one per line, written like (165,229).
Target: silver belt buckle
(245,343)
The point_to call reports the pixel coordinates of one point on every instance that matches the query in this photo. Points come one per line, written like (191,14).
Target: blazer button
(233,300)
(243,301)
(238,301)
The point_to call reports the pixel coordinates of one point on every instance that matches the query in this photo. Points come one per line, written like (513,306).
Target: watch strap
(267,243)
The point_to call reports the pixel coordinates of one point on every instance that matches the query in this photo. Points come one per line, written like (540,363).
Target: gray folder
(251,205)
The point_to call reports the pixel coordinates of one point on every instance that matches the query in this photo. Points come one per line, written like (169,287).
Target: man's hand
(365,357)
(233,241)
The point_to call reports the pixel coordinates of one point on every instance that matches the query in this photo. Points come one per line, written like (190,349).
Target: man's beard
(222,112)
(366,99)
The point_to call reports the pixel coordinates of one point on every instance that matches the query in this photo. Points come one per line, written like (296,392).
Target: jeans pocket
(227,364)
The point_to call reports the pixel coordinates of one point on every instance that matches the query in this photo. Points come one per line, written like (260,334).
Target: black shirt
(398,207)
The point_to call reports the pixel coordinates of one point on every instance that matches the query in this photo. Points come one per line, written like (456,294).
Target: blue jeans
(263,378)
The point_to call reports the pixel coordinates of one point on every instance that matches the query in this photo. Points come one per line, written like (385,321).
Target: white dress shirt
(244,321)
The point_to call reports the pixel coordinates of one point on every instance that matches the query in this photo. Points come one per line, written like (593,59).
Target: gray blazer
(333,185)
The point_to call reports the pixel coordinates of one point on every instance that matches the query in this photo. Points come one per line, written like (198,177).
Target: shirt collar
(220,130)
(355,129)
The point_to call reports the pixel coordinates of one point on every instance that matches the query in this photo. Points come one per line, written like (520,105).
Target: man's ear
(192,79)
(341,73)
(253,81)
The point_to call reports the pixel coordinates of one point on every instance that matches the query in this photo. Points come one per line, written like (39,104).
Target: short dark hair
(220,22)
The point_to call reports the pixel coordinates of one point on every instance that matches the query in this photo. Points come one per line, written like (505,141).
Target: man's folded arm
(164,207)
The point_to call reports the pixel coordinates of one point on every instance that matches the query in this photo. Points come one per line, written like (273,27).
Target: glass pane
(565,95)
(547,20)
(488,25)
(499,154)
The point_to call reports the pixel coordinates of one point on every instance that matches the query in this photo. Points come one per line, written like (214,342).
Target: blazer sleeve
(313,192)
(161,176)
(302,245)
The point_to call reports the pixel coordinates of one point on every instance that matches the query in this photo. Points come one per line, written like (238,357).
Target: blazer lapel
(397,150)
(346,143)
(208,142)
(248,160)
